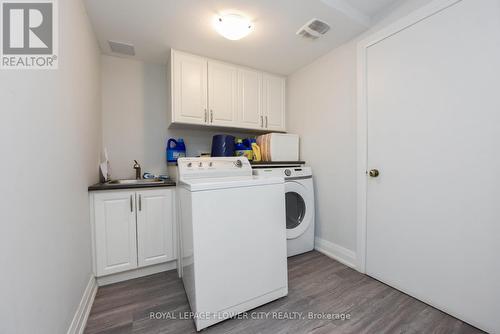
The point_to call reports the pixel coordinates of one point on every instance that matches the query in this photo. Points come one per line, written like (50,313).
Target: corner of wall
(82,312)
(336,252)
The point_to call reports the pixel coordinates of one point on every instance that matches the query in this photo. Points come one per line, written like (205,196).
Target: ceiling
(155,26)
(372,8)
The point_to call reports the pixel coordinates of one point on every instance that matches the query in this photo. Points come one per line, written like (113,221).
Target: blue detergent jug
(175,149)
(243,149)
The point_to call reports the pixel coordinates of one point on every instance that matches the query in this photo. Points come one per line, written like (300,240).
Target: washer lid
(227,182)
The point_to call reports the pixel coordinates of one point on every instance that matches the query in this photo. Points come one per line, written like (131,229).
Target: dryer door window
(295,210)
(299,212)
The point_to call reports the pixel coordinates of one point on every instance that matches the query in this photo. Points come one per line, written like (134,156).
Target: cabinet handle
(140,202)
(266,122)
(261,121)
(131,204)
(206,117)
(211,116)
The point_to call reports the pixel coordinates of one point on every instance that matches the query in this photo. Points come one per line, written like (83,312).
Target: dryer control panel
(287,172)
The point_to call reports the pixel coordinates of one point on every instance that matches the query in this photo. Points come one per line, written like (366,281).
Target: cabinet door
(274,102)
(250,99)
(189,103)
(115,232)
(155,226)
(222,91)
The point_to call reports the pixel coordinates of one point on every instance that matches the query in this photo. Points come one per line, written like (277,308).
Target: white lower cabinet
(132,229)
(155,227)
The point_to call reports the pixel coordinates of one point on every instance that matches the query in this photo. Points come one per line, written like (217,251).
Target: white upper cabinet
(222,93)
(155,226)
(189,88)
(274,102)
(250,99)
(213,93)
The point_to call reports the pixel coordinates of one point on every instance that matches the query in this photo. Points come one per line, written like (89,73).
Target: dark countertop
(106,186)
(259,163)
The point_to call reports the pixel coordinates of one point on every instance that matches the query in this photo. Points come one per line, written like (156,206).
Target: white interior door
(433,214)
(222,93)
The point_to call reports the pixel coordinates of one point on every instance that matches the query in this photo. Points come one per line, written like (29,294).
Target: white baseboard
(336,252)
(82,312)
(131,274)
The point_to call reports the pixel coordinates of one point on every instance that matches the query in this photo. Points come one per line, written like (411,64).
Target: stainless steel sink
(142,181)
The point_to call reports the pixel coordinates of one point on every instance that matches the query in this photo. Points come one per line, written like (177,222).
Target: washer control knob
(238,163)
(190,164)
(210,164)
(200,164)
(288,172)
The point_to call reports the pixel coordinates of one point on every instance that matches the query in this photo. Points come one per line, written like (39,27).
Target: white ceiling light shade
(233,26)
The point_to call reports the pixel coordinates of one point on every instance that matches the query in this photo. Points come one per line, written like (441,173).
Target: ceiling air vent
(313,29)
(123,48)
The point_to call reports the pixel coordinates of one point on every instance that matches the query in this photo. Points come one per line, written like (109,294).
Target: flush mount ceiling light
(233,26)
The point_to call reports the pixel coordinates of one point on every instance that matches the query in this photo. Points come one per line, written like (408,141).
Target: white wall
(50,140)
(134,105)
(322,110)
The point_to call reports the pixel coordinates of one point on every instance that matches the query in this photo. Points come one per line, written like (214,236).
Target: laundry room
(250,166)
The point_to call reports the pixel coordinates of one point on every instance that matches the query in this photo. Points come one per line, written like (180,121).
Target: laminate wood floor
(317,284)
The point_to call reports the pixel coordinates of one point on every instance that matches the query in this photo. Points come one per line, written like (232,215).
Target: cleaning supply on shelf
(175,149)
(248,142)
(148,176)
(222,146)
(251,143)
(243,150)
(256,151)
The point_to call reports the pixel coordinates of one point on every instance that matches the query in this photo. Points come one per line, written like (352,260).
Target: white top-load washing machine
(299,195)
(233,237)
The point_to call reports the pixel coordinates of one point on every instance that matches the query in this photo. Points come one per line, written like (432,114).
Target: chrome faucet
(137,168)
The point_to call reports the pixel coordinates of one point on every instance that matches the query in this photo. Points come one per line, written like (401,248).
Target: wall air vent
(313,29)
(122,48)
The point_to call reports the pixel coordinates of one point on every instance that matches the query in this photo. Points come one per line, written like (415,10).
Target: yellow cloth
(256,152)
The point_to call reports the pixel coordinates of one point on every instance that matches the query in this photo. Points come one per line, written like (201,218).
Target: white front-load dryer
(299,199)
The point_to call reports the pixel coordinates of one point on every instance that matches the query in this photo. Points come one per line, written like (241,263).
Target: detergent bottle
(242,149)
(256,150)
(175,149)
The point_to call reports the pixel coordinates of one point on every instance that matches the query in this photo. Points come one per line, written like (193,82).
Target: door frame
(411,19)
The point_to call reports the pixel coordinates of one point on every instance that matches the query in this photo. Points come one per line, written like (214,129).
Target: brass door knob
(374,173)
